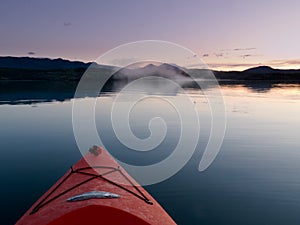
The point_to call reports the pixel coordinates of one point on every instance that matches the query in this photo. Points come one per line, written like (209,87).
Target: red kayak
(94,193)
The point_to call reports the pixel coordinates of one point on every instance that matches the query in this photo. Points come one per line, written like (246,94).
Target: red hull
(103,173)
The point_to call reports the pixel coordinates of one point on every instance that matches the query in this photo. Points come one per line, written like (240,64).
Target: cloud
(249,55)
(225,50)
(293,62)
(285,62)
(232,65)
(246,56)
(66,24)
(238,49)
(30,53)
(197,66)
(227,66)
(219,54)
(244,49)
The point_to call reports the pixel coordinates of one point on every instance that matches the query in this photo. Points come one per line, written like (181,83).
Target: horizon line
(221,67)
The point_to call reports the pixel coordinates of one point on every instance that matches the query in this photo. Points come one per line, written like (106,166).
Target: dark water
(254,180)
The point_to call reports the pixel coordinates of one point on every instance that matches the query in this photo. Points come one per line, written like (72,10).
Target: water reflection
(33,92)
(254,179)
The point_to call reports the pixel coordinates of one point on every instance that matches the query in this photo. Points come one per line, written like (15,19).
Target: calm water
(254,180)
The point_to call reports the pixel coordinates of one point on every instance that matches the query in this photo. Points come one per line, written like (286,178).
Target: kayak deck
(96,171)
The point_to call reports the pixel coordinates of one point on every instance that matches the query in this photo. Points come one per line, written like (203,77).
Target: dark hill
(260,70)
(27,68)
(39,63)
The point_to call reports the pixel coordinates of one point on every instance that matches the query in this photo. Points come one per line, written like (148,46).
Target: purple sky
(228,34)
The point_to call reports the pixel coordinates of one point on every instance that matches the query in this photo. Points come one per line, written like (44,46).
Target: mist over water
(255,179)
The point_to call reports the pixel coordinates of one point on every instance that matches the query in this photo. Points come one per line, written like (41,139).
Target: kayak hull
(96,171)
(98,215)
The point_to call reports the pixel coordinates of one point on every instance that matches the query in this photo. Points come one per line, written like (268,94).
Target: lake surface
(255,178)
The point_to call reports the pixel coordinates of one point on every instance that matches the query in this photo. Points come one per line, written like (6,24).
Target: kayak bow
(99,194)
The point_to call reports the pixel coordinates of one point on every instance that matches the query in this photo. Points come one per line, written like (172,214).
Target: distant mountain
(39,63)
(260,73)
(27,68)
(162,70)
(268,70)
(260,70)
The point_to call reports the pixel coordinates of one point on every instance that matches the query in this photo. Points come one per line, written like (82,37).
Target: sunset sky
(227,34)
